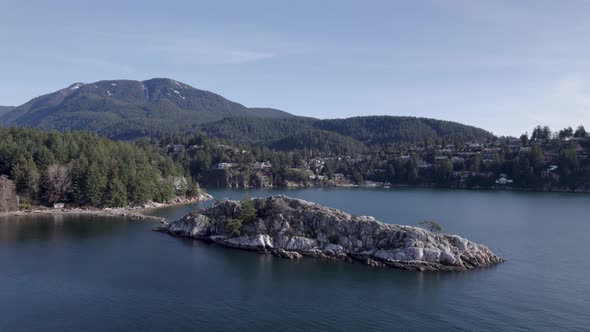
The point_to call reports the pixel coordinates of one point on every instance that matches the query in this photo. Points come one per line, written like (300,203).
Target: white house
(504,181)
(222,166)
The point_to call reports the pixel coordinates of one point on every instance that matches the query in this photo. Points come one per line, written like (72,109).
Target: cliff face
(236,179)
(293,228)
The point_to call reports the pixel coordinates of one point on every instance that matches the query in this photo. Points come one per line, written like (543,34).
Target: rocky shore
(135,212)
(132,213)
(293,228)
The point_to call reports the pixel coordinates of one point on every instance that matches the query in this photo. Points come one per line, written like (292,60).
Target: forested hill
(368,130)
(401,129)
(5,109)
(82,169)
(125,109)
(128,110)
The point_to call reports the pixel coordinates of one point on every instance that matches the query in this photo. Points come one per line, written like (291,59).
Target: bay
(73,273)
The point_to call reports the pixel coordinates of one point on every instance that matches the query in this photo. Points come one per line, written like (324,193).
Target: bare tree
(8,198)
(57,183)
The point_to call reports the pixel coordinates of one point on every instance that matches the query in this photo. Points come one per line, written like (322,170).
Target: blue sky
(501,65)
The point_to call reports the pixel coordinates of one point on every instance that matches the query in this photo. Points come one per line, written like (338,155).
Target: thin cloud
(194,51)
(99,63)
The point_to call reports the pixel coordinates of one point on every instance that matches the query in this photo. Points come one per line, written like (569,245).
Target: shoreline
(135,213)
(420,186)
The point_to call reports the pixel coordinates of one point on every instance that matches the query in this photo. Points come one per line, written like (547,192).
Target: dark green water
(109,274)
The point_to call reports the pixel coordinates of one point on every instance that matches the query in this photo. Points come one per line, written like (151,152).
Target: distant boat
(386,186)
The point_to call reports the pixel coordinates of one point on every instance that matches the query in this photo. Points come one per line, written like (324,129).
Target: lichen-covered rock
(292,228)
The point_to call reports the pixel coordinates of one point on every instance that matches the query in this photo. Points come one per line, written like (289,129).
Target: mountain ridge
(6,109)
(366,130)
(121,109)
(130,109)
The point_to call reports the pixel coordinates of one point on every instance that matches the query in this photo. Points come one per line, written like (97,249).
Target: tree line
(83,169)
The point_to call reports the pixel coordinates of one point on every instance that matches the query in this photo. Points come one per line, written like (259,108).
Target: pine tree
(79,180)
(26,177)
(44,157)
(192,188)
(95,184)
(166,190)
(116,193)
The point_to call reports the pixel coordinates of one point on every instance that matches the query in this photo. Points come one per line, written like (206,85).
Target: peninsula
(293,228)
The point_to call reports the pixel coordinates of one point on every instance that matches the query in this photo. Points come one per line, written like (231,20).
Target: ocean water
(81,273)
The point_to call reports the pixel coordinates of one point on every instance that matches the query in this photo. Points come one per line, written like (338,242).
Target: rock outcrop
(293,228)
(237,178)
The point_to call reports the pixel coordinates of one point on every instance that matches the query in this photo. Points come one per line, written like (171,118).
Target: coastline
(141,212)
(433,186)
(134,213)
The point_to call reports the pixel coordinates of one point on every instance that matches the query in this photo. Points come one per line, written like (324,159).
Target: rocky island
(293,228)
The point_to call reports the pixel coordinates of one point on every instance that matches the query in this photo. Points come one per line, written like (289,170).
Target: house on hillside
(222,166)
(550,172)
(504,180)
(423,164)
(175,148)
(317,177)
(262,165)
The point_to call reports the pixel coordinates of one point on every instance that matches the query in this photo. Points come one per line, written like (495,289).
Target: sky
(504,66)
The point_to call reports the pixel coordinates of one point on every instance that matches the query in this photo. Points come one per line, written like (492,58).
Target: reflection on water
(317,271)
(53,227)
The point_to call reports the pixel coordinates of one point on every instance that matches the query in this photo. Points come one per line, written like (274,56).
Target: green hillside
(401,129)
(124,109)
(84,169)
(127,110)
(369,130)
(5,109)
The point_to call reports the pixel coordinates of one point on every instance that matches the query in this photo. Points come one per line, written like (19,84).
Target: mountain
(262,131)
(125,109)
(5,109)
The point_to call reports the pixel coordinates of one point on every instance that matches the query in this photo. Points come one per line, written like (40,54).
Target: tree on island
(432,226)
(248,212)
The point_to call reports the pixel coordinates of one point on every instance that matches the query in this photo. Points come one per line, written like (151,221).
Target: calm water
(109,274)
